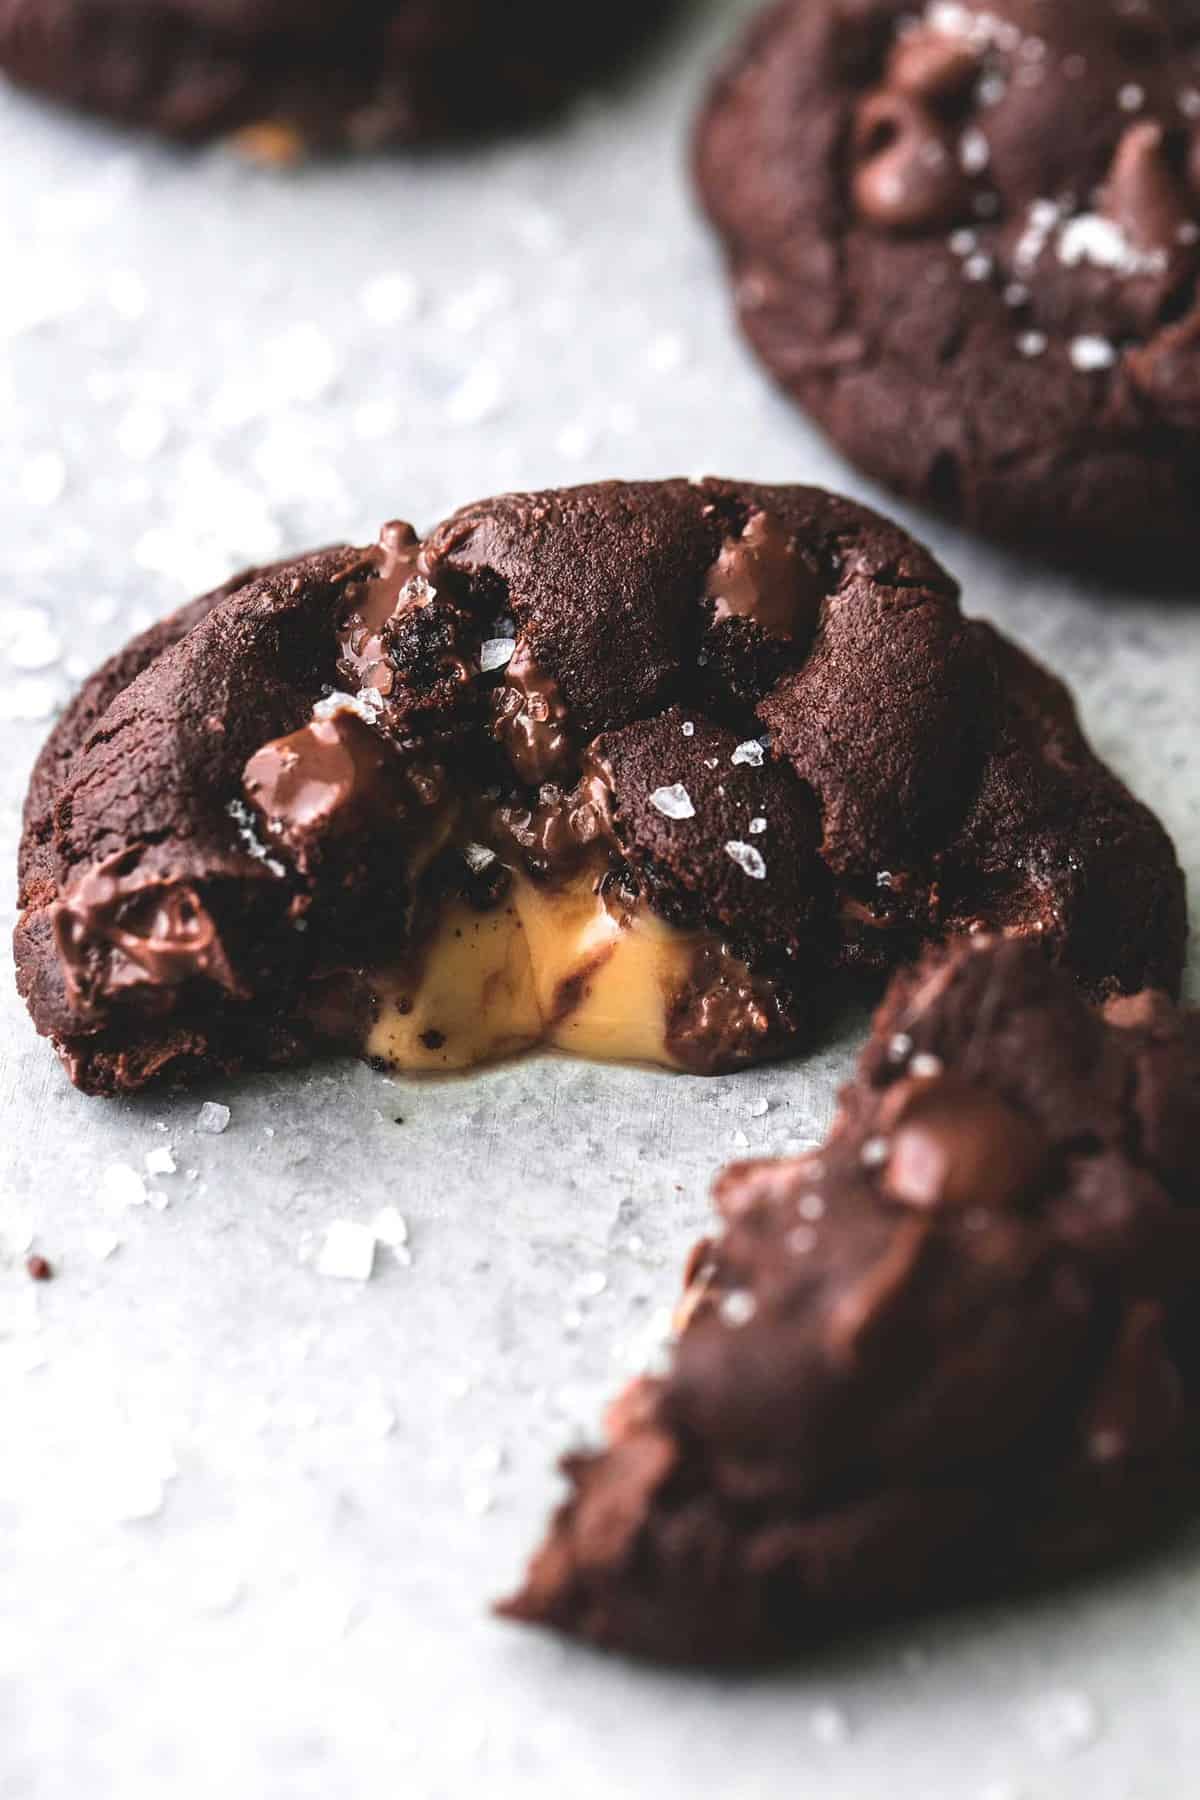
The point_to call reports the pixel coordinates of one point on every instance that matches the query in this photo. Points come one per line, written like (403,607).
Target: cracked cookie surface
(695,752)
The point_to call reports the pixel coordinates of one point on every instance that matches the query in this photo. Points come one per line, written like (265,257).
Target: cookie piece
(647,771)
(953,1351)
(966,236)
(288,76)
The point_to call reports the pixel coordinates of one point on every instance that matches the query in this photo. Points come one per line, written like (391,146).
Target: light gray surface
(201,365)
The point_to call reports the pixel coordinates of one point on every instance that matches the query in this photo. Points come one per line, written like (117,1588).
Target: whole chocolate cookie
(294,73)
(967,238)
(955,1350)
(644,771)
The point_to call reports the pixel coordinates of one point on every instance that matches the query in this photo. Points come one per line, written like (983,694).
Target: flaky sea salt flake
(673,802)
(750,753)
(1090,353)
(390,1228)
(738,1307)
(213,1118)
(121,1186)
(348,1253)
(1063,1724)
(747,858)
(496,653)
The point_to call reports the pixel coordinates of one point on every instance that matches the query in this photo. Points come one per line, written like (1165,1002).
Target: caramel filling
(564,966)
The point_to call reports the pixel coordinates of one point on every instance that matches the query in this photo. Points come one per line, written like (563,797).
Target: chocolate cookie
(955,1350)
(643,771)
(967,238)
(294,73)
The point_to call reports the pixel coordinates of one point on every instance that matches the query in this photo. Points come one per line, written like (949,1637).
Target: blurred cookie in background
(286,76)
(966,238)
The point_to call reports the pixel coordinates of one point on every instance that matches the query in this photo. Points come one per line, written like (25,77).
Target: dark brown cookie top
(953,1350)
(967,236)
(357,74)
(764,702)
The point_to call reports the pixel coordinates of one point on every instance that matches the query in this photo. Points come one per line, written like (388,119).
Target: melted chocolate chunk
(950,1352)
(121,934)
(763,575)
(532,721)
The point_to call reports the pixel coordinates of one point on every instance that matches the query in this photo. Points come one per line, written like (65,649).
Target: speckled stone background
(251,1515)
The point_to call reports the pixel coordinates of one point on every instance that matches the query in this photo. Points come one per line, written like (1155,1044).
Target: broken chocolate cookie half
(640,771)
(953,1351)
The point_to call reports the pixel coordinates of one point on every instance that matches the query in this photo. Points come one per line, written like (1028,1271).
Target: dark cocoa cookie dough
(741,737)
(966,236)
(299,73)
(954,1351)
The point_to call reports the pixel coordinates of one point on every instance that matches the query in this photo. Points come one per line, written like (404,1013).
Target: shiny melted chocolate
(762,576)
(121,932)
(394,578)
(531,721)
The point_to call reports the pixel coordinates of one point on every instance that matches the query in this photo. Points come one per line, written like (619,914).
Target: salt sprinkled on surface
(738,1307)
(751,753)
(758,1109)
(213,1117)
(366,705)
(673,802)
(1091,238)
(348,1252)
(35,699)
(900,1047)
(161,1161)
(300,364)
(757,827)
(926,1067)
(29,639)
(688,729)
(667,352)
(1091,353)
(747,858)
(1062,1724)
(391,298)
(974,151)
(121,1186)
(811,1207)
(141,432)
(739,1140)
(390,1228)
(496,653)
(43,478)
(1033,343)
(102,1244)
(1042,218)
(590,1285)
(874,1152)
(478,857)
(247,831)
(477,397)
(830,1726)
(1131,97)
